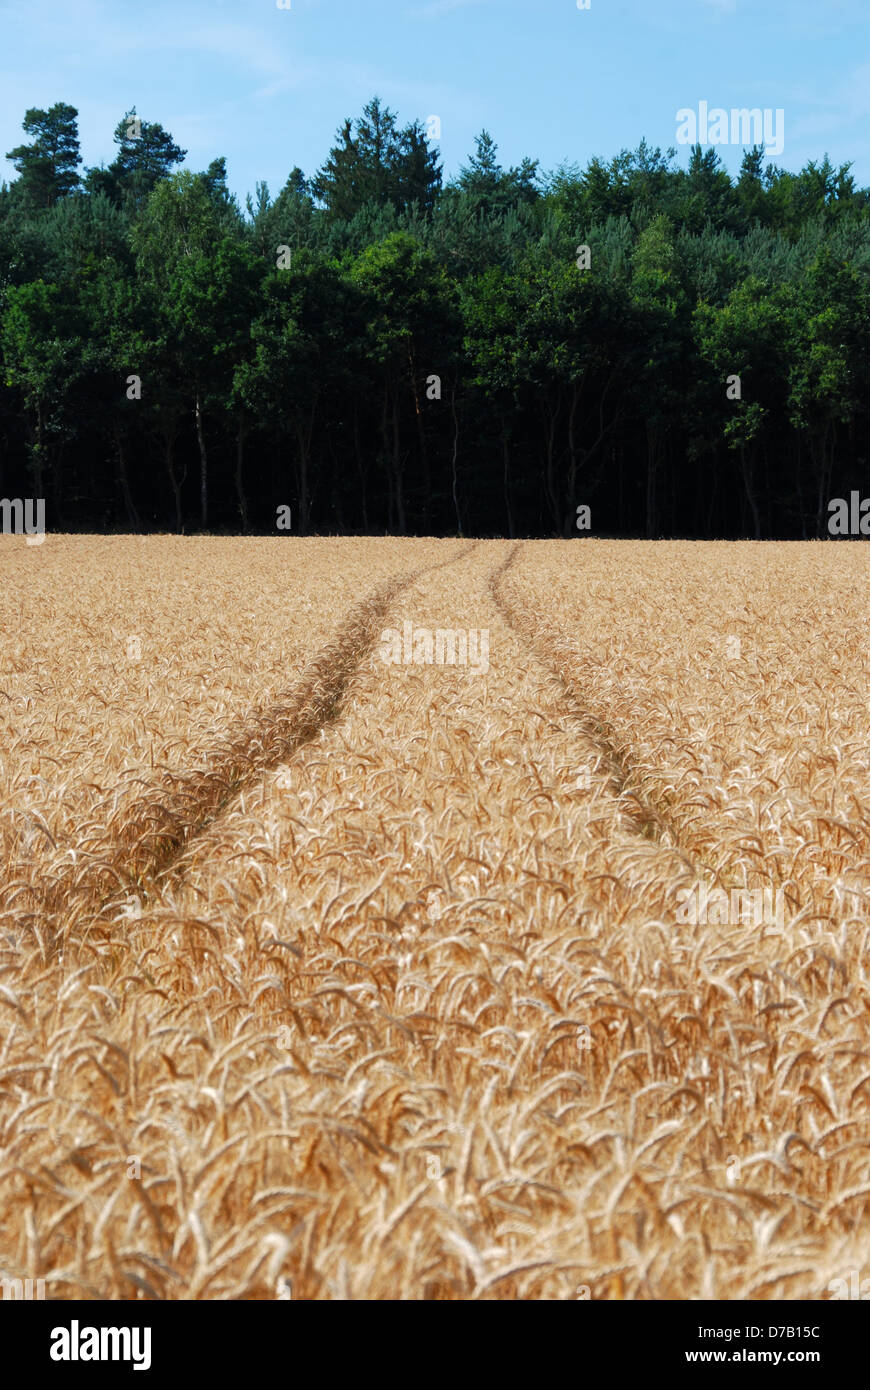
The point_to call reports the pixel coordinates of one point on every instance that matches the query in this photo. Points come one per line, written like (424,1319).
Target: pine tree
(48,167)
(488,186)
(418,173)
(146,154)
(374,161)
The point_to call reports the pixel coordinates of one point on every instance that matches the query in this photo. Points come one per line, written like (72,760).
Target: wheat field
(328,976)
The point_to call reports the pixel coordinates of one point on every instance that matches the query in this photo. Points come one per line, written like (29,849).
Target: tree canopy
(684,351)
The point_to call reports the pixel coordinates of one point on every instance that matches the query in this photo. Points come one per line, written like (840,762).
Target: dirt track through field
(154,830)
(649,821)
(651,817)
(724,845)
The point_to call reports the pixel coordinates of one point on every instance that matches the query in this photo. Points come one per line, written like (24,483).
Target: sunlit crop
(326,976)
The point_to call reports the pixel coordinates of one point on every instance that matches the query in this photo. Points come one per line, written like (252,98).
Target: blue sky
(267,87)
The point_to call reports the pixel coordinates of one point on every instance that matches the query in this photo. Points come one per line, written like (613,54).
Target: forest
(375,349)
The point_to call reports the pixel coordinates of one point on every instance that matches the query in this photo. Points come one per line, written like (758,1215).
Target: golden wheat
(369,982)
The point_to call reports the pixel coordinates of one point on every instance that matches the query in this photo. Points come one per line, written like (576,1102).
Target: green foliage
(42,347)
(146,154)
(428,357)
(48,167)
(375,161)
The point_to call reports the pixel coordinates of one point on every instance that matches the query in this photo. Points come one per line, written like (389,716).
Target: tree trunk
(507,482)
(360,469)
(175,484)
(799,488)
(38,474)
(302,483)
(550,470)
(652,464)
(828,451)
(714,493)
(572,467)
(822,459)
(336,491)
(129,507)
(391,481)
(397,469)
(203,464)
(424,453)
(455,458)
(746,467)
(304,437)
(240,483)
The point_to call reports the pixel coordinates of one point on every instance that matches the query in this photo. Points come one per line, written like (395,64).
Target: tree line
(680,351)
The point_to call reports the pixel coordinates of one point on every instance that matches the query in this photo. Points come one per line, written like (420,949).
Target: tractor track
(147,838)
(648,821)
